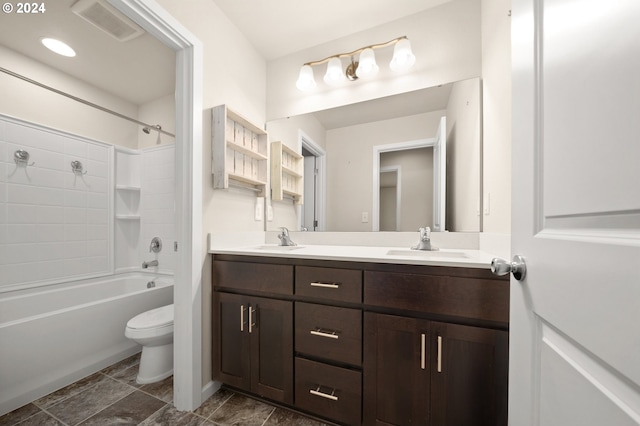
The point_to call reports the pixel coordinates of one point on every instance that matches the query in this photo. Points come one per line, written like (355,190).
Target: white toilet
(154,331)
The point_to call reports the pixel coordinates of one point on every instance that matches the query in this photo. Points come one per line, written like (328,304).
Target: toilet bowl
(154,331)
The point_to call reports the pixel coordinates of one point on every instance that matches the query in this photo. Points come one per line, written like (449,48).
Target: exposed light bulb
(306,81)
(59,47)
(403,57)
(334,74)
(367,66)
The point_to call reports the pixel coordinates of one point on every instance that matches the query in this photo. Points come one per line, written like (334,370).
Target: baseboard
(209,389)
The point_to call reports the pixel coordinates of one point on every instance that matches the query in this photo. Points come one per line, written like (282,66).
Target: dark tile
(285,417)
(240,410)
(18,415)
(79,407)
(168,415)
(42,419)
(133,360)
(162,389)
(213,402)
(68,391)
(130,410)
(128,376)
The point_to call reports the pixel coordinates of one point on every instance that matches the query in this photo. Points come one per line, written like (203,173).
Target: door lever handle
(517,267)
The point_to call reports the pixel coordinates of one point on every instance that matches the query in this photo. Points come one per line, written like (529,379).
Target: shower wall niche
(144,207)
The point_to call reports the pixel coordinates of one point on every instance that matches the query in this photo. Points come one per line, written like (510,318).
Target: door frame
(187,376)
(306,142)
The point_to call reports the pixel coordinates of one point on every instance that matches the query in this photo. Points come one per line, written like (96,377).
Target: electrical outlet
(365,217)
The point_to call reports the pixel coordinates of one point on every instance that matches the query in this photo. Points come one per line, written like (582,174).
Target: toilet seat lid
(157,317)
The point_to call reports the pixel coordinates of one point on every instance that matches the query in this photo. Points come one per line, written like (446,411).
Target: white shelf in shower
(128,217)
(127,188)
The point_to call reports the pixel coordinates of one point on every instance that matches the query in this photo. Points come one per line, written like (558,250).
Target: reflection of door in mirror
(406,189)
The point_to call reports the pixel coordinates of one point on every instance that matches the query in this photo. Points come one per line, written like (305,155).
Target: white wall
(496,97)
(445,39)
(32,103)
(464,130)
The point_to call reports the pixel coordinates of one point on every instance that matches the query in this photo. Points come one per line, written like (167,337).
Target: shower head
(147,129)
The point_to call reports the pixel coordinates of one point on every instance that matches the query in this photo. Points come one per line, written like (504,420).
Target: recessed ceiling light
(58,47)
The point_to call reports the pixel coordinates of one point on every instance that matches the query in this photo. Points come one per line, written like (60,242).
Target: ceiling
(279,27)
(143,69)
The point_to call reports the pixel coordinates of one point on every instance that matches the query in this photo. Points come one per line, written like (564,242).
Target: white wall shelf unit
(287,173)
(240,150)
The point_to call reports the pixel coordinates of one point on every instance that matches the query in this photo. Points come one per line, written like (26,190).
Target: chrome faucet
(285,240)
(145,265)
(425,240)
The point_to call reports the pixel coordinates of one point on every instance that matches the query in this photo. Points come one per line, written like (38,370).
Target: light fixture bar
(355,52)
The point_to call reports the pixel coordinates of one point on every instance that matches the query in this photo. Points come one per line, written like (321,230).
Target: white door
(575,318)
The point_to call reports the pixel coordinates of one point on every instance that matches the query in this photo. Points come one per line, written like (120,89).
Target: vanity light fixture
(59,47)
(365,67)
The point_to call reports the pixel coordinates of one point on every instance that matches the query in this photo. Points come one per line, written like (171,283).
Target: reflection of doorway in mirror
(410,198)
(390,198)
(312,212)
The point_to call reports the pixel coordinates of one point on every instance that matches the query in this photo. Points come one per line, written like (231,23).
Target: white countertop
(397,255)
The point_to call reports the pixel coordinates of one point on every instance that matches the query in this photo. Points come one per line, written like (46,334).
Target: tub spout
(145,265)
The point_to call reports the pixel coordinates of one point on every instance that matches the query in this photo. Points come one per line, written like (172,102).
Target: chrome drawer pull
(317,392)
(319,332)
(325,285)
(423,344)
(439,354)
(242,309)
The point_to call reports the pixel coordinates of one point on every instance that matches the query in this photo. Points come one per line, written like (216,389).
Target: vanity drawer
(329,332)
(329,391)
(344,285)
(264,277)
(475,298)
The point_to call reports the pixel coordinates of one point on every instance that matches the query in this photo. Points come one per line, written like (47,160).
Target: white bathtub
(53,336)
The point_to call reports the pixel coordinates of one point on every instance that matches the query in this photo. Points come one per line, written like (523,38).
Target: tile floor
(112,397)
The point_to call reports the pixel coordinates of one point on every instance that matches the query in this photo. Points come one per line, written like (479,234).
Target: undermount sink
(277,247)
(427,253)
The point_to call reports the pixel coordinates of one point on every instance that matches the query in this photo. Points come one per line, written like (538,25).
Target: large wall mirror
(356,179)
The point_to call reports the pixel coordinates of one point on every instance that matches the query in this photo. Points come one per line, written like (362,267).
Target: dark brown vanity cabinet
(423,371)
(364,343)
(253,336)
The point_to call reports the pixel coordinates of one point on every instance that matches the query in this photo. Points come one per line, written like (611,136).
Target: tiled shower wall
(57,225)
(54,224)
(157,205)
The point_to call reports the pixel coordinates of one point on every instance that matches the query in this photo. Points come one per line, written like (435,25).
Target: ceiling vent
(107,18)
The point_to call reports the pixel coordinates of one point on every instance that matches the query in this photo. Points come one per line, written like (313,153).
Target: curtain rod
(77,99)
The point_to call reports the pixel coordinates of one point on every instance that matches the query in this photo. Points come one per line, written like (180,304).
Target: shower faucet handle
(156,245)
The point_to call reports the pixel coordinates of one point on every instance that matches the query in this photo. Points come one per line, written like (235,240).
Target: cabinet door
(396,377)
(231,361)
(271,334)
(469,375)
